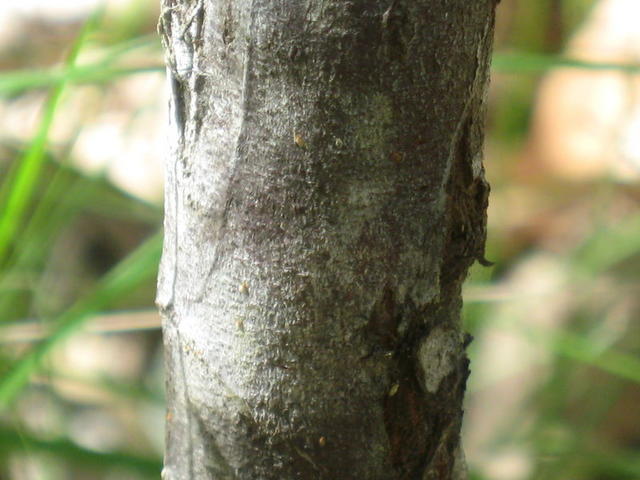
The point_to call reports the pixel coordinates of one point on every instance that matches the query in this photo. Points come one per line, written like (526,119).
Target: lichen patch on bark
(438,354)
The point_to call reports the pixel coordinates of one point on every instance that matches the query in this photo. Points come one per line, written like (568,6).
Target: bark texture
(325,198)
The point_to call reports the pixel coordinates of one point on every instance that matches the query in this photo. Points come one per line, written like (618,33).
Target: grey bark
(325,197)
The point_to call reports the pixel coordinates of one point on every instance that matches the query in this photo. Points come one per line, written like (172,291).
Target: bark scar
(387,13)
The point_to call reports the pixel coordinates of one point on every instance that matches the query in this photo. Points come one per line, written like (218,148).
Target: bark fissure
(239,155)
(324,202)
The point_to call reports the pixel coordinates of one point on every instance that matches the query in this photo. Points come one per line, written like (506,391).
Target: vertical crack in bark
(217,465)
(181,95)
(423,426)
(247,94)
(189,413)
(394,24)
(382,324)
(467,202)
(179,108)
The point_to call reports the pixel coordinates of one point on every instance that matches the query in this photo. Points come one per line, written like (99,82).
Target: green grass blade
(13,83)
(608,247)
(583,350)
(617,464)
(137,268)
(61,202)
(10,440)
(22,185)
(117,50)
(103,70)
(130,392)
(522,62)
(26,177)
(576,347)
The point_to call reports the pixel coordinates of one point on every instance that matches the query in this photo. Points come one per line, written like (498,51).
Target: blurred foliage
(44,200)
(563,293)
(574,419)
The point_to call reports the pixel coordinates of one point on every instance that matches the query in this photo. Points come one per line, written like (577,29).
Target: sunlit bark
(325,198)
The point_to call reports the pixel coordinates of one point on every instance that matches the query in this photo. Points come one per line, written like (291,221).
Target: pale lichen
(438,354)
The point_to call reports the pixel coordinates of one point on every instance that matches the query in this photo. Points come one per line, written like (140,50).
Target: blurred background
(555,385)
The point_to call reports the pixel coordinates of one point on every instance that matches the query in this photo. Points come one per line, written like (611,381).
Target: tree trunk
(325,198)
